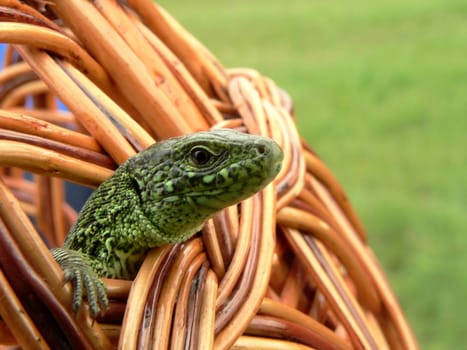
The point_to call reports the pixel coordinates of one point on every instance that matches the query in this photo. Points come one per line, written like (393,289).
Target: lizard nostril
(261,149)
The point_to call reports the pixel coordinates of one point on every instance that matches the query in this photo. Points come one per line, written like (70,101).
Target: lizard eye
(200,156)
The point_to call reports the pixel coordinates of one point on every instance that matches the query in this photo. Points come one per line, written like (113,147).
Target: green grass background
(380,90)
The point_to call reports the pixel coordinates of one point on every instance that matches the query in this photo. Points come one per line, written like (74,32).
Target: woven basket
(288,268)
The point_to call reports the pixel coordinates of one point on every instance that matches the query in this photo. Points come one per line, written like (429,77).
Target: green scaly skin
(160,196)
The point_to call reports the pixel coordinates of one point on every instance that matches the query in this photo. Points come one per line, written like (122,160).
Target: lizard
(162,195)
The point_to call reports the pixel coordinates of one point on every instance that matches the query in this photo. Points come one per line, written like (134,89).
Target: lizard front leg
(77,269)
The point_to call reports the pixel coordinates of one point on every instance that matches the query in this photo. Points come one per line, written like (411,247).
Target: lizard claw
(77,270)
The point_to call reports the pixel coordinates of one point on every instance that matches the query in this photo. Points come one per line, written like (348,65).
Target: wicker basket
(288,268)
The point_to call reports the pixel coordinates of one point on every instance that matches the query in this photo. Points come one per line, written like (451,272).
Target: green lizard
(160,196)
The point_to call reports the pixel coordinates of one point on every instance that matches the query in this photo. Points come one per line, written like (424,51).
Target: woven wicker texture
(288,268)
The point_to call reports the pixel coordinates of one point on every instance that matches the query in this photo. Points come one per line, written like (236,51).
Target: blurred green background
(380,93)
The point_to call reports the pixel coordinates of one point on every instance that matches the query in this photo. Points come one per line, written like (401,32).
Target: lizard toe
(96,294)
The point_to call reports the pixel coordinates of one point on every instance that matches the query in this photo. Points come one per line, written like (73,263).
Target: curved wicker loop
(33,126)
(204,67)
(51,40)
(289,268)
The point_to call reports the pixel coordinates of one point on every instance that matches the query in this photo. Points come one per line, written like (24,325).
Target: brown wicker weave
(286,269)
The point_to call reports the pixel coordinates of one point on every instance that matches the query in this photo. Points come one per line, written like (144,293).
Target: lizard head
(187,179)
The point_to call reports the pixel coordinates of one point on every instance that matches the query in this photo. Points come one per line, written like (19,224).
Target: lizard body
(160,196)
